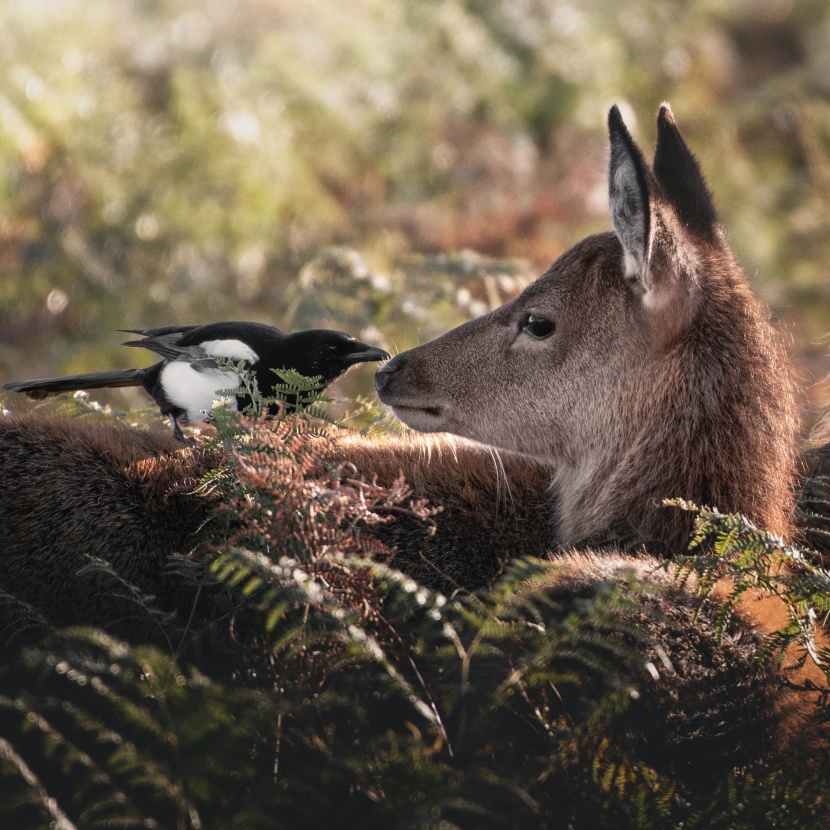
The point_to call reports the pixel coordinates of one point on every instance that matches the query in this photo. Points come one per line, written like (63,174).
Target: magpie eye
(537,326)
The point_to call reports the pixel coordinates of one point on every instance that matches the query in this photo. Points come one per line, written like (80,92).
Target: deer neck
(613,490)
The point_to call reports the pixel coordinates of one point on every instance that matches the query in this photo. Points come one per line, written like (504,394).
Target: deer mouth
(435,411)
(422,418)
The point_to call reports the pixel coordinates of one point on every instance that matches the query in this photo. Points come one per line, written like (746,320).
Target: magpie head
(329,353)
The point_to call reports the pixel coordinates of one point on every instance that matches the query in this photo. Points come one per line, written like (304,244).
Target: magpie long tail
(45,387)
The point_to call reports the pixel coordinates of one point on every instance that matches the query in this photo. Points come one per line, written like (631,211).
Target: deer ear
(678,172)
(629,199)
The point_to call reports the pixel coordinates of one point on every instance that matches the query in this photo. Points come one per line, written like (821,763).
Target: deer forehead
(587,281)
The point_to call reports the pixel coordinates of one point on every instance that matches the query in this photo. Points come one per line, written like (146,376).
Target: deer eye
(537,326)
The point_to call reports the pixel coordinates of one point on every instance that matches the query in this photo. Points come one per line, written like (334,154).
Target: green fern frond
(753,558)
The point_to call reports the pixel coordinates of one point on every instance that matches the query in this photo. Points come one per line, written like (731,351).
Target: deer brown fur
(493,507)
(71,490)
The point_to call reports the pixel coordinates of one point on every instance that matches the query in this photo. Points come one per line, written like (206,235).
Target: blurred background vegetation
(387,167)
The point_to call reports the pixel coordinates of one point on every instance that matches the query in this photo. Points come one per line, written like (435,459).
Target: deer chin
(422,418)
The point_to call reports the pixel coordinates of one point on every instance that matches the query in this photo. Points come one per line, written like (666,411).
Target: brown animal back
(493,507)
(71,490)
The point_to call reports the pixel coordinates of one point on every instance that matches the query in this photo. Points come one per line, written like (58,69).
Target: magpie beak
(366,355)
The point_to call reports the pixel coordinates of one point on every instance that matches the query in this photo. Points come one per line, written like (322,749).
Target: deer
(640,366)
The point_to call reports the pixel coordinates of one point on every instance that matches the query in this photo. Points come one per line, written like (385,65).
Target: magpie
(187,381)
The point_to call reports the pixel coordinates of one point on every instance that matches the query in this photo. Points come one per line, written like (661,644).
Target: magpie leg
(178,434)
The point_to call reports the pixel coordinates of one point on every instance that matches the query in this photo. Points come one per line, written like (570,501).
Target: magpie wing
(158,332)
(167,344)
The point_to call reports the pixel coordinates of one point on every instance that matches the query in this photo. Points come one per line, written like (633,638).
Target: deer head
(639,366)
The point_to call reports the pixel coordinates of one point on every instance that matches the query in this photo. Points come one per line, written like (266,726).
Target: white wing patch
(195,391)
(232,349)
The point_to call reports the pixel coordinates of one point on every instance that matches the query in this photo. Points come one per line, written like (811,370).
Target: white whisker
(501,476)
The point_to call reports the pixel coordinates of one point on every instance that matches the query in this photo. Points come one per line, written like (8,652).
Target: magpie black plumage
(188,380)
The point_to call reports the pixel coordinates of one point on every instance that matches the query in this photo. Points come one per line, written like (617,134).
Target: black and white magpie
(188,380)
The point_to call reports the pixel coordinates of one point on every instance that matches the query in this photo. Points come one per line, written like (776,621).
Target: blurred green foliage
(389,167)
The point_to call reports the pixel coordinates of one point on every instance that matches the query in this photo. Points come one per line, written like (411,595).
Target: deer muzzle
(412,404)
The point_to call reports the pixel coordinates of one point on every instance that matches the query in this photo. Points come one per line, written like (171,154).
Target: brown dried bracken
(303,507)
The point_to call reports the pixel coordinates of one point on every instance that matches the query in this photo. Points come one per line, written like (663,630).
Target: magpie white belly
(195,391)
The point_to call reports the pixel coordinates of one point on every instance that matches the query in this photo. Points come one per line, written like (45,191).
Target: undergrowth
(323,688)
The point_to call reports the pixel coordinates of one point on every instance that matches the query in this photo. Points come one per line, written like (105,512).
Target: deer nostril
(382,377)
(384,374)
